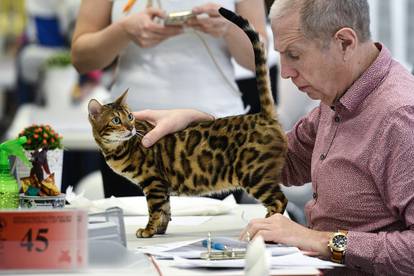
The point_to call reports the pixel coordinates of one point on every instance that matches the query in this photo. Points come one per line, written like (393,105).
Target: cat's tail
(262,72)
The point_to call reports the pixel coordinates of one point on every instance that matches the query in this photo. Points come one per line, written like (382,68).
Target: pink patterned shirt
(359,156)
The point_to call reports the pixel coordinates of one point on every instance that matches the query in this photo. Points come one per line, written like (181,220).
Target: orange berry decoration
(41,136)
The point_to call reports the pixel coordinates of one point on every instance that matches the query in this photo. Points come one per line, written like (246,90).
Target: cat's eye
(130,117)
(116,120)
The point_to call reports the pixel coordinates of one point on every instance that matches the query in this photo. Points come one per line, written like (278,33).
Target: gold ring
(247,236)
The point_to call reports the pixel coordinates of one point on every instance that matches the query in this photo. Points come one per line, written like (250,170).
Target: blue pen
(214,245)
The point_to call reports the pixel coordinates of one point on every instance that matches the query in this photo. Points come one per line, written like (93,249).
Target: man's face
(319,72)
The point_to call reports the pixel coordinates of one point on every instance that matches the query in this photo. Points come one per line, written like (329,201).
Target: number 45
(27,240)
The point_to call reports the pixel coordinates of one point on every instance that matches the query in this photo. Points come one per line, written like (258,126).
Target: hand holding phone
(208,20)
(178,18)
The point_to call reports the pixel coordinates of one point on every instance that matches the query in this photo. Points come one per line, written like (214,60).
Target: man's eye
(130,117)
(292,56)
(116,120)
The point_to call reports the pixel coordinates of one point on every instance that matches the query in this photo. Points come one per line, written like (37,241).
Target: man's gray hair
(321,19)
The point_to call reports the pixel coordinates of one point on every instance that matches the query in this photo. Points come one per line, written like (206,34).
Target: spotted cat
(246,151)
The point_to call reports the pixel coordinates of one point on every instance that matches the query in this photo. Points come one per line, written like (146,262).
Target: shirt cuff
(361,251)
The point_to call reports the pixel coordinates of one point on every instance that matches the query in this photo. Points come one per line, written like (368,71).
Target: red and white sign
(43,239)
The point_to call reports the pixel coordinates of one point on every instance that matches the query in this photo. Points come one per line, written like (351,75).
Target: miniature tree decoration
(41,136)
(40,140)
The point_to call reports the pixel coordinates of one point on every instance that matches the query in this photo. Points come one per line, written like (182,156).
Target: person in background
(48,32)
(356,147)
(166,66)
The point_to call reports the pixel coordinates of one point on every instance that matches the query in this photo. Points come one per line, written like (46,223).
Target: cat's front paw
(144,233)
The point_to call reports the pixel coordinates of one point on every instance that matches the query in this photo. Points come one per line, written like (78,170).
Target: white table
(228,225)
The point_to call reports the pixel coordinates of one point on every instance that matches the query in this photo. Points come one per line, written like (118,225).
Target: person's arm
(168,121)
(301,141)
(237,41)
(97,42)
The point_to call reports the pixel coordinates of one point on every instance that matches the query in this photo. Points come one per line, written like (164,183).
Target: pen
(214,245)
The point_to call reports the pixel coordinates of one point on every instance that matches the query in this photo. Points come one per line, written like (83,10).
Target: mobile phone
(178,18)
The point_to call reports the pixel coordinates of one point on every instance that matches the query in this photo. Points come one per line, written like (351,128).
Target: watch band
(338,256)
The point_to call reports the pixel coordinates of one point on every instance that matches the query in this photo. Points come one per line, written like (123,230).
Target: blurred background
(38,84)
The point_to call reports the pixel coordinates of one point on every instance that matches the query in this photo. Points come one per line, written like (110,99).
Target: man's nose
(287,71)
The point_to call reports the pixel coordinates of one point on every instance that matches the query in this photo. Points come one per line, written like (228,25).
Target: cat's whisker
(139,133)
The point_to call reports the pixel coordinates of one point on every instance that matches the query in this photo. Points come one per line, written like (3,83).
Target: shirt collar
(368,81)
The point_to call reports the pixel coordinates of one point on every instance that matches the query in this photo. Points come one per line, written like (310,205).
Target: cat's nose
(130,128)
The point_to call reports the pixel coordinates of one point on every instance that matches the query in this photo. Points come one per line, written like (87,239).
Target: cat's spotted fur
(246,151)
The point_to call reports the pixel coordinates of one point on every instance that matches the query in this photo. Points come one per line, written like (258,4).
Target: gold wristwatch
(337,245)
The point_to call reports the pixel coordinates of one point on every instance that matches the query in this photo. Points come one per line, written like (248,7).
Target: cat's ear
(94,108)
(121,100)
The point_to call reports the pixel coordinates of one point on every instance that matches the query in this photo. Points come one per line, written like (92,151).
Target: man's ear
(94,108)
(346,39)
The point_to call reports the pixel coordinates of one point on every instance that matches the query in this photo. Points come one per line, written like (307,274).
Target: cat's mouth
(129,135)
(121,137)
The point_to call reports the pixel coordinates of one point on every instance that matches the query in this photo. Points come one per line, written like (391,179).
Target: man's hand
(145,31)
(280,229)
(168,121)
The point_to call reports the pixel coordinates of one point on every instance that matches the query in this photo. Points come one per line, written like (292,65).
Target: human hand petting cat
(280,229)
(213,24)
(143,29)
(168,121)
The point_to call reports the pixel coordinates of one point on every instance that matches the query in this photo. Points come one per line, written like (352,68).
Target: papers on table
(186,254)
(192,249)
(284,261)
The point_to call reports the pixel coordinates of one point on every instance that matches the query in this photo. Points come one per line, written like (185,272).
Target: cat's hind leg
(270,195)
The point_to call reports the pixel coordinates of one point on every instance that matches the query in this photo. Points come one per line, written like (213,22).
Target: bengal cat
(246,151)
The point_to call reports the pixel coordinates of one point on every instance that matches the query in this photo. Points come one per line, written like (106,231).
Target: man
(356,147)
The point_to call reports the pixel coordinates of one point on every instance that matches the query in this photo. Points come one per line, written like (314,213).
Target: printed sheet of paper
(290,260)
(192,249)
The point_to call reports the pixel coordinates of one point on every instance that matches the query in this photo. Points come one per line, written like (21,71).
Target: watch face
(339,242)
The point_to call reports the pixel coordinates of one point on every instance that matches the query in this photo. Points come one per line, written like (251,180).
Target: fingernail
(145,142)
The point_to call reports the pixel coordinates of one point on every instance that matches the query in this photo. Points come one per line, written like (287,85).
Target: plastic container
(9,188)
(58,201)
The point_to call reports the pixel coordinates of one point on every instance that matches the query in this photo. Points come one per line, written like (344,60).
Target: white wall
(392,23)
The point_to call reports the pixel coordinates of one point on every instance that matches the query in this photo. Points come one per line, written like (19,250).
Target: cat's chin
(120,139)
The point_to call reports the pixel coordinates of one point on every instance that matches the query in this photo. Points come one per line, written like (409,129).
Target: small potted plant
(59,80)
(44,149)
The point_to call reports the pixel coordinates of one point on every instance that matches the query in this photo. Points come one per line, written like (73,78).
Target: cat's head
(112,122)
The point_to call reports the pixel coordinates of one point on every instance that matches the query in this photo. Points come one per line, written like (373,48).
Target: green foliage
(61,59)
(41,136)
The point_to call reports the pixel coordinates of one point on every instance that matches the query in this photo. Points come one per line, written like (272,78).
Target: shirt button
(337,119)
(315,195)
(322,157)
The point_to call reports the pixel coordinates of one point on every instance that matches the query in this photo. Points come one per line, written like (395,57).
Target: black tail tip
(226,13)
